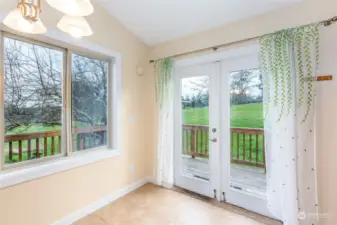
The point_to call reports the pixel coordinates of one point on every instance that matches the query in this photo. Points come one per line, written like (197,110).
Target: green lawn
(249,115)
(246,116)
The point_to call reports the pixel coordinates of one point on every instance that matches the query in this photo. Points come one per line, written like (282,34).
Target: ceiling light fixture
(72,7)
(74,25)
(25,18)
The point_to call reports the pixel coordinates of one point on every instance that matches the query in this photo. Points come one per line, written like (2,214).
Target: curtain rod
(214,48)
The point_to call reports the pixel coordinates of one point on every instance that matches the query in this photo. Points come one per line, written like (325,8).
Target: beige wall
(43,201)
(46,200)
(303,13)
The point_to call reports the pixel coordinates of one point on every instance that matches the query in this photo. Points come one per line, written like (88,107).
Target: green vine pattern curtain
(289,60)
(164,99)
(274,54)
(163,77)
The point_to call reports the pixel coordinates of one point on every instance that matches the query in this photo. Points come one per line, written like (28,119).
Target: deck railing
(246,144)
(23,147)
(89,137)
(33,148)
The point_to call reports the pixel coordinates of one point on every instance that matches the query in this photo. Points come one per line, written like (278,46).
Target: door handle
(213,140)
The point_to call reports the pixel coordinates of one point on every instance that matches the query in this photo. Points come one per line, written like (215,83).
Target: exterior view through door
(219,135)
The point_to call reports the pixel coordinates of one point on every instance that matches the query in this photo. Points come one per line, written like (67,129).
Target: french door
(196,129)
(219,142)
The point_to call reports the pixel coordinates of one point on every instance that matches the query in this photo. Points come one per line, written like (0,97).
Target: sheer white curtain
(164,92)
(289,60)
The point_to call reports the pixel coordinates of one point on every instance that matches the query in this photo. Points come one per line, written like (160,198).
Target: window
(32,101)
(37,84)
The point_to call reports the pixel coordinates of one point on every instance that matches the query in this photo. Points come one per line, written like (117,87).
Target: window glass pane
(33,101)
(89,102)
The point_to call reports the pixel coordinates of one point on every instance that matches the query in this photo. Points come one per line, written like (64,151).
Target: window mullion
(69,146)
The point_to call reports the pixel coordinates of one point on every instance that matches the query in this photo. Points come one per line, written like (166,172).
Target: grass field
(247,116)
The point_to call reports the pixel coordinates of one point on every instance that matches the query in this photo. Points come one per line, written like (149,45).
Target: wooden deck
(244,178)
(251,180)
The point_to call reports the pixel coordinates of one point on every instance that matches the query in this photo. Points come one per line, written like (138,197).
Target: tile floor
(153,205)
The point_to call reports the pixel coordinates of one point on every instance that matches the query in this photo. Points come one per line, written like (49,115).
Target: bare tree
(89,90)
(33,86)
(241,82)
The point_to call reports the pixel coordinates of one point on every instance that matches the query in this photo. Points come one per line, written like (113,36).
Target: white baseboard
(152,180)
(163,184)
(81,213)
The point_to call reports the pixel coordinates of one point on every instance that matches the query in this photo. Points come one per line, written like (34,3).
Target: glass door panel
(246,129)
(195,127)
(242,139)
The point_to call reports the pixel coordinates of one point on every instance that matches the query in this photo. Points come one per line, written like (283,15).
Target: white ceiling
(157,21)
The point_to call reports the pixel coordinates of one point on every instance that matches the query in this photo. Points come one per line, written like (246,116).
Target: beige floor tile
(152,205)
(91,220)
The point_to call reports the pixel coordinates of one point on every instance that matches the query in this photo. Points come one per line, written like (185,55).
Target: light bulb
(24,25)
(16,21)
(76,32)
(75,26)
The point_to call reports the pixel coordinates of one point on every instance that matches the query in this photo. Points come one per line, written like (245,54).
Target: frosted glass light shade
(75,26)
(16,21)
(73,7)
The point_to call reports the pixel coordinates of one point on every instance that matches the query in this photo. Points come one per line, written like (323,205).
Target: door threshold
(231,208)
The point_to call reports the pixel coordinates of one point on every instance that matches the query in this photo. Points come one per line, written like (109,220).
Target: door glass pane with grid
(32,100)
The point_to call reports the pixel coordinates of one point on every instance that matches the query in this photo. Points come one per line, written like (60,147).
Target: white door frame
(248,201)
(200,186)
(248,56)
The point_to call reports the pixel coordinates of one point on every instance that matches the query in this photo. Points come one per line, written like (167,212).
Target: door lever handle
(213,140)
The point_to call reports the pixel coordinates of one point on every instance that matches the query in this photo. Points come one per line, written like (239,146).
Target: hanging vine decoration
(308,61)
(298,35)
(163,77)
(264,70)
(287,69)
(281,71)
(317,40)
(277,51)
(274,69)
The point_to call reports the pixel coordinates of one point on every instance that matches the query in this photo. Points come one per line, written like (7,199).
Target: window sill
(20,175)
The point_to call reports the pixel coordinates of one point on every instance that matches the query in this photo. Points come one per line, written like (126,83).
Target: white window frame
(16,173)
